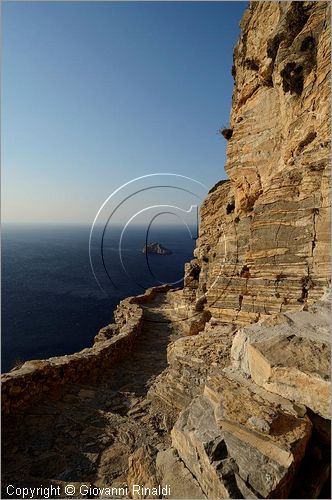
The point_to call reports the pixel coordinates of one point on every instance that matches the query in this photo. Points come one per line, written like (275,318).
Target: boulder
(290,356)
(239,444)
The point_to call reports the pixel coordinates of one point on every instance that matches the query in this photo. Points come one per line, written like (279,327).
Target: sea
(60,284)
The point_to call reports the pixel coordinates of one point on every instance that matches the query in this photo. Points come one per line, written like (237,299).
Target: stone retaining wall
(24,384)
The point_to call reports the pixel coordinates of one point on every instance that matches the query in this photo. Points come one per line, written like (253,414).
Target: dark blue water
(51,302)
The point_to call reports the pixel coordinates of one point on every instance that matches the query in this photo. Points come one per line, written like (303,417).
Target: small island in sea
(156,248)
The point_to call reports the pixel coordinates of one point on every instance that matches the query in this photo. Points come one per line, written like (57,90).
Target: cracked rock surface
(221,389)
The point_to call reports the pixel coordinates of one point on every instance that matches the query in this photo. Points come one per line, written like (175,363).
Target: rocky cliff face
(263,253)
(264,238)
(241,406)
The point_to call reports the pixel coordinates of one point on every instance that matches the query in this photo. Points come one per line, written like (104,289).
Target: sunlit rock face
(259,365)
(264,243)
(240,407)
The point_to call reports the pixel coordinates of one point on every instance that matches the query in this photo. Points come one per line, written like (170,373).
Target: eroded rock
(290,355)
(172,472)
(237,443)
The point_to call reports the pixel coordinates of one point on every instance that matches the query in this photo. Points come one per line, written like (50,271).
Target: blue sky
(97,93)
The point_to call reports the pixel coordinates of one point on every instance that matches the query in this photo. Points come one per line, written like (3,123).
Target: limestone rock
(142,470)
(172,472)
(237,444)
(264,239)
(190,360)
(197,438)
(261,261)
(290,355)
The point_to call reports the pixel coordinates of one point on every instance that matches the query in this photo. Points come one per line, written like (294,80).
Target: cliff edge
(264,242)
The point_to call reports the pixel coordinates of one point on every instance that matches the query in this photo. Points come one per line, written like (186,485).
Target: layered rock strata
(240,407)
(248,429)
(264,242)
(290,355)
(262,254)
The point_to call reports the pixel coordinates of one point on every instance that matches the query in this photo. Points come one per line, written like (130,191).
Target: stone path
(86,432)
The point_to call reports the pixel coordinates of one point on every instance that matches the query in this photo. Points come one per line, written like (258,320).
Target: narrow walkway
(86,432)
